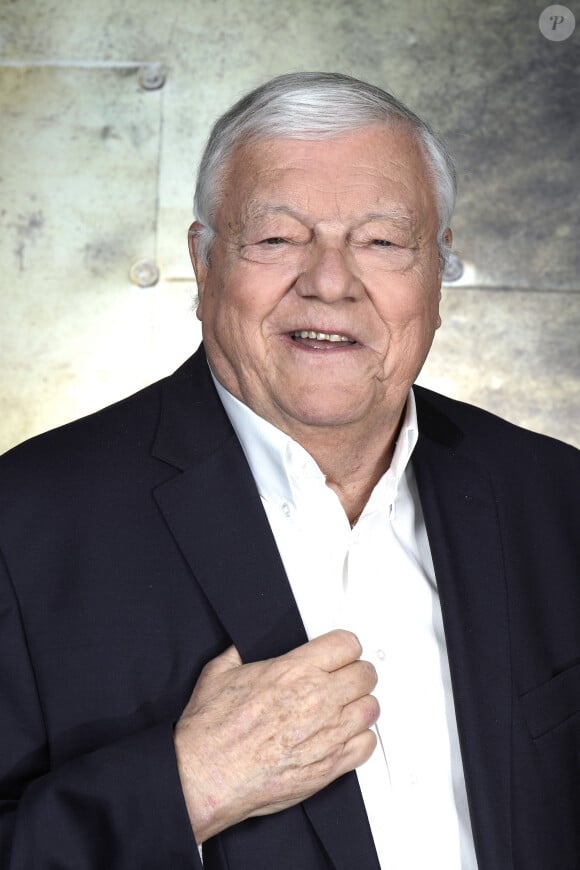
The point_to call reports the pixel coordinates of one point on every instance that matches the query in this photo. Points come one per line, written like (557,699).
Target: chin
(318,414)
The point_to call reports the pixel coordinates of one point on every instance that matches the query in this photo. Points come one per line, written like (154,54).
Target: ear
(199,267)
(448,242)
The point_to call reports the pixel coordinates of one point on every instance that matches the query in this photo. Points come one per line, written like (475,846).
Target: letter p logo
(557,23)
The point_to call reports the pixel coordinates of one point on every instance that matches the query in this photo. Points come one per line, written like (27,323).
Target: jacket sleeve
(119,807)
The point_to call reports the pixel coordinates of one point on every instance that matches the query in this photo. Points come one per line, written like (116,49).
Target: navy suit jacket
(134,548)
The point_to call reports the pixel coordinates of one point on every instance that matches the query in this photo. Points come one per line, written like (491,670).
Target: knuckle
(369,744)
(372,710)
(371,672)
(350,641)
(364,675)
(361,715)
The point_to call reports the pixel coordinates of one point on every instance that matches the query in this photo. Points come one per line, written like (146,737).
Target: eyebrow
(396,215)
(258,210)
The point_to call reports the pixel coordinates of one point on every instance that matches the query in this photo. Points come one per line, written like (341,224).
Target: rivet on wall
(144,273)
(453,269)
(152,76)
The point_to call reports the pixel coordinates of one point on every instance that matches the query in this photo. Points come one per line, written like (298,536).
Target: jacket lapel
(464,536)
(216,517)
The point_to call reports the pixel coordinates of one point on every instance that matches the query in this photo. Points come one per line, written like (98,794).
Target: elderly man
(281,604)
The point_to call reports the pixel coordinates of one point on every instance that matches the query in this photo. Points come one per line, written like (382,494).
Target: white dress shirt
(377,580)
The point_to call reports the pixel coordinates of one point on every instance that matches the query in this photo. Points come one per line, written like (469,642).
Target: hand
(258,738)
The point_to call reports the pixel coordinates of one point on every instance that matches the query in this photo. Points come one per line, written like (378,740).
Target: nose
(329,275)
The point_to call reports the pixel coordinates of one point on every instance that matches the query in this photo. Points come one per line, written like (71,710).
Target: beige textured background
(96,173)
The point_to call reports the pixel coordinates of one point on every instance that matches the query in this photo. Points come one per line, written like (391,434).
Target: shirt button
(381,654)
(285,508)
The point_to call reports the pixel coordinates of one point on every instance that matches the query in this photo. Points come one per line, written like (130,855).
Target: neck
(352,462)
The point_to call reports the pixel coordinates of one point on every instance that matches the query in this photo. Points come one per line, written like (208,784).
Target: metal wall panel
(79,152)
(512,352)
(505,97)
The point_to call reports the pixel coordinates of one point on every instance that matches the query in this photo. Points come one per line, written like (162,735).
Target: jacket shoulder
(486,437)
(126,422)
(121,432)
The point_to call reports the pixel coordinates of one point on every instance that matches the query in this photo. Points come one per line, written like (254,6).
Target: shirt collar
(277,462)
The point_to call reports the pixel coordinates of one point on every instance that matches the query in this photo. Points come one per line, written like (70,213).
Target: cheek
(233,316)
(253,293)
(405,305)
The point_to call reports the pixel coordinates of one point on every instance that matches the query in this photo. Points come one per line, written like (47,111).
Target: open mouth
(321,340)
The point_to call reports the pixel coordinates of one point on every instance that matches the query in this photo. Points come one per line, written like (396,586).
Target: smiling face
(321,298)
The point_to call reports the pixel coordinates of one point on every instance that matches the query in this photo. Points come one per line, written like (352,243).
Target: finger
(355,718)
(330,651)
(359,716)
(358,750)
(353,681)
(343,758)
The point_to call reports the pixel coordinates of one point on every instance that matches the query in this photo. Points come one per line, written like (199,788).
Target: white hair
(312,105)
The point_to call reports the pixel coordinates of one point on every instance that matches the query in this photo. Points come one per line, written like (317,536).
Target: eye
(274,240)
(382,243)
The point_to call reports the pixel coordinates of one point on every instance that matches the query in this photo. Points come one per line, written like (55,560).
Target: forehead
(374,169)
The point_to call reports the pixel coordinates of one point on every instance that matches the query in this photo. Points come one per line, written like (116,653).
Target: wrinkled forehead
(376,169)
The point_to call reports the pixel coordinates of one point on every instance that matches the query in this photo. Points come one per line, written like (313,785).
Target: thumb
(226,661)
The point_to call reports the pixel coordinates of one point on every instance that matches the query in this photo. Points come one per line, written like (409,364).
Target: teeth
(321,336)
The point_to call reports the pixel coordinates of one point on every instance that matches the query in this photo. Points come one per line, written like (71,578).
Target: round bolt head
(453,269)
(144,273)
(152,76)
